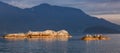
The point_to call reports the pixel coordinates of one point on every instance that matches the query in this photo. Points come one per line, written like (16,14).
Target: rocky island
(95,37)
(39,34)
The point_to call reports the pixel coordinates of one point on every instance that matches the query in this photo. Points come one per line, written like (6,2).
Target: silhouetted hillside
(100,29)
(45,16)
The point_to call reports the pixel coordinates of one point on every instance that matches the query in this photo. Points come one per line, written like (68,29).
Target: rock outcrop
(95,37)
(40,34)
(15,35)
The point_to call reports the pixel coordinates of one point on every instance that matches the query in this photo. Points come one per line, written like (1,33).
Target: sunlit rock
(15,35)
(32,34)
(49,39)
(95,37)
(40,34)
(63,33)
(49,32)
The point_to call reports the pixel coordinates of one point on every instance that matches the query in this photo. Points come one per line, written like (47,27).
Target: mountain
(100,29)
(45,16)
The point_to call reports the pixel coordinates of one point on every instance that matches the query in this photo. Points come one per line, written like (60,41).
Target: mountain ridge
(47,16)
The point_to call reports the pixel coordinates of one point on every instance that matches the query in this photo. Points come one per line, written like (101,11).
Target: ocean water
(71,45)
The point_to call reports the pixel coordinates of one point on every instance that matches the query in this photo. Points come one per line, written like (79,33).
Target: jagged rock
(50,32)
(39,34)
(95,37)
(63,33)
(15,35)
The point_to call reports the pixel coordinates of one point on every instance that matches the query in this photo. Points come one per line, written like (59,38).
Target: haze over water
(72,45)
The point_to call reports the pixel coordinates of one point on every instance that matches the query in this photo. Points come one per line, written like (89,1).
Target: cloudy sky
(108,9)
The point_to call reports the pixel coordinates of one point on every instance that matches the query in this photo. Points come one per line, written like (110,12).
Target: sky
(107,9)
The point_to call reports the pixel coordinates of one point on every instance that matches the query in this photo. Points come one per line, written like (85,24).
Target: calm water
(72,45)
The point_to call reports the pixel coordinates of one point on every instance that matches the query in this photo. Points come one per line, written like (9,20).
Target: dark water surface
(72,45)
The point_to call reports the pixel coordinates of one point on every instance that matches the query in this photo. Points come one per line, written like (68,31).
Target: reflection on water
(106,46)
(33,46)
(72,45)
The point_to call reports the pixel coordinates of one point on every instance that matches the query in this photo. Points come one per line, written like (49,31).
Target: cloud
(114,18)
(89,6)
(98,6)
(23,3)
